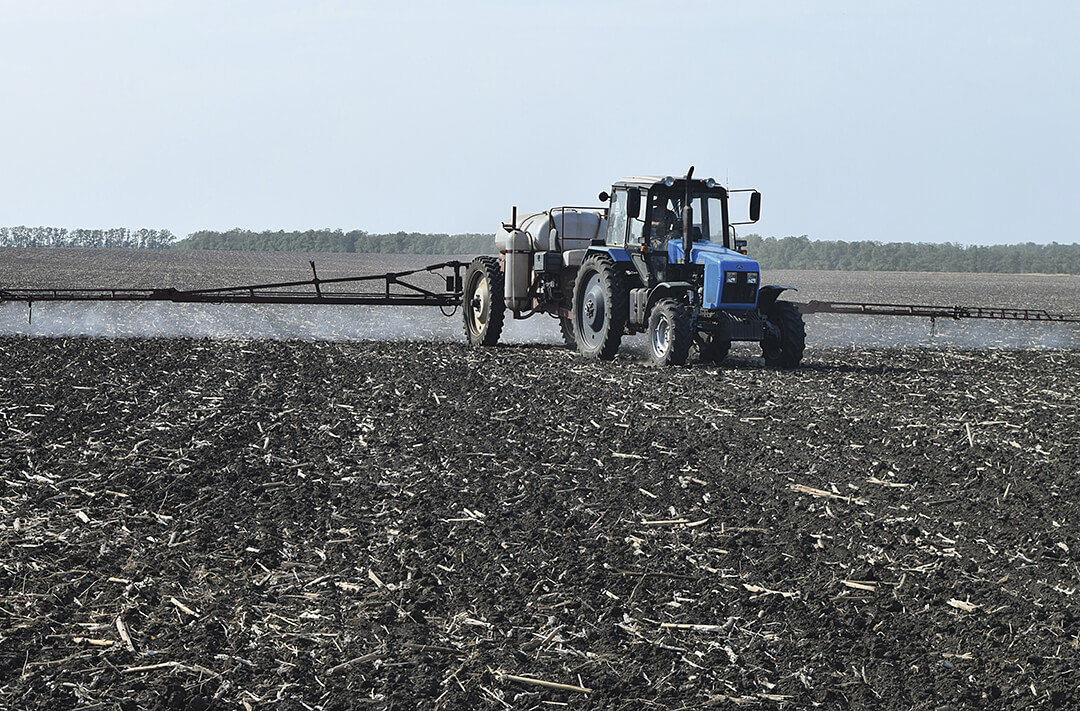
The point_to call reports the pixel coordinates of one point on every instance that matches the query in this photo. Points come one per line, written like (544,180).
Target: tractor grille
(740,292)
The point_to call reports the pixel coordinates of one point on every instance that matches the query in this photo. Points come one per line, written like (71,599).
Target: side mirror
(755,206)
(604,197)
(633,203)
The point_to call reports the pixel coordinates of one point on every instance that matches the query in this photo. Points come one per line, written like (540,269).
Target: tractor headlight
(751,277)
(731,277)
(710,183)
(669,181)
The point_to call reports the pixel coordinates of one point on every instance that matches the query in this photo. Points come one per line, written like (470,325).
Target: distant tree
(803,253)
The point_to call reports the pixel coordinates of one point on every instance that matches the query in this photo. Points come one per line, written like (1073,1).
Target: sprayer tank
(560,230)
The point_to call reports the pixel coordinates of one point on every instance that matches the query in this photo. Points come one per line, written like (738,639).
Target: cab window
(617,219)
(637,224)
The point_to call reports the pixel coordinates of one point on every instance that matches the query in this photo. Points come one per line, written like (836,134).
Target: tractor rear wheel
(710,348)
(600,308)
(482,302)
(784,348)
(670,333)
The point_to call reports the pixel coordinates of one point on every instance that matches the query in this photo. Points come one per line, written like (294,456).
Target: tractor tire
(566,328)
(710,349)
(482,302)
(600,308)
(786,350)
(671,332)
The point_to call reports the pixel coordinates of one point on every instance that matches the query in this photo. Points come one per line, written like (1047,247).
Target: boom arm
(397,290)
(954,312)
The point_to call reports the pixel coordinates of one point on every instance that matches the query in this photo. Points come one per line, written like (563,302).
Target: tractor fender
(617,254)
(668,290)
(768,294)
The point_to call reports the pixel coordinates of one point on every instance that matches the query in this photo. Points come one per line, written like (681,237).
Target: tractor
(624,269)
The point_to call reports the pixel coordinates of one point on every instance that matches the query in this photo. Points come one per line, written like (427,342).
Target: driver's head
(662,218)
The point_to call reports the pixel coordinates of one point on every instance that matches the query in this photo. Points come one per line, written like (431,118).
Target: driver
(663,223)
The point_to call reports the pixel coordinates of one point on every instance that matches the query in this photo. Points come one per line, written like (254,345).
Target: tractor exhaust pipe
(687,219)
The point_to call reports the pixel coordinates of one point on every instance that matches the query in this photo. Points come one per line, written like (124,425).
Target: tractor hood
(731,278)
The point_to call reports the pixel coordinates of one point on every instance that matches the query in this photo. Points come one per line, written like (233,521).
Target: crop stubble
(409,523)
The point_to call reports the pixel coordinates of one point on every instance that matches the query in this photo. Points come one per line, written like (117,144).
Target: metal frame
(396,291)
(953,312)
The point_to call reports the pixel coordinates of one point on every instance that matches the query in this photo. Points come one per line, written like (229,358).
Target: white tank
(556,230)
(562,230)
(516,247)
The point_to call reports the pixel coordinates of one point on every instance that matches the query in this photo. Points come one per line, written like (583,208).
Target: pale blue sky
(895,121)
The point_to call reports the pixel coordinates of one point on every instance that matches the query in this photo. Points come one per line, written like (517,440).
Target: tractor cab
(658,221)
(647,211)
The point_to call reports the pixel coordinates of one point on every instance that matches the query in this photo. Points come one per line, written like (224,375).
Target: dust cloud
(403,323)
(266,321)
(843,330)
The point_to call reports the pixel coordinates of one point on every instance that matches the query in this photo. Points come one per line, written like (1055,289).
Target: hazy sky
(862,119)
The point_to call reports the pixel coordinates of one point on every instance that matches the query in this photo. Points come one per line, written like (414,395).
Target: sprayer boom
(953,312)
(396,290)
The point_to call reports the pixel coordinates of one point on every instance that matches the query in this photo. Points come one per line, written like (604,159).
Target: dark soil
(265,524)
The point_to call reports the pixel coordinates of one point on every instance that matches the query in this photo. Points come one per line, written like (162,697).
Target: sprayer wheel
(784,350)
(482,302)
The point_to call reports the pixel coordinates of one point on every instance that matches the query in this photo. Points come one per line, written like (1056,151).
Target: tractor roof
(649,181)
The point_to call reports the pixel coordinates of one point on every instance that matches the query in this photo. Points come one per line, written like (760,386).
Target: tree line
(772,252)
(804,253)
(328,240)
(62,237)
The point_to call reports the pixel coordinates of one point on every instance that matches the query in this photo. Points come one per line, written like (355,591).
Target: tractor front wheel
(600,308)
(482,302)
(783,348)
(670,333)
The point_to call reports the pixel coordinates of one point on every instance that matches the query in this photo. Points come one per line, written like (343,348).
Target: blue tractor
(623,269)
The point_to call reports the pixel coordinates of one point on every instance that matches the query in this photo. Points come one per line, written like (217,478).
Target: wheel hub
(595,308)
(661,337)
(481,303)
